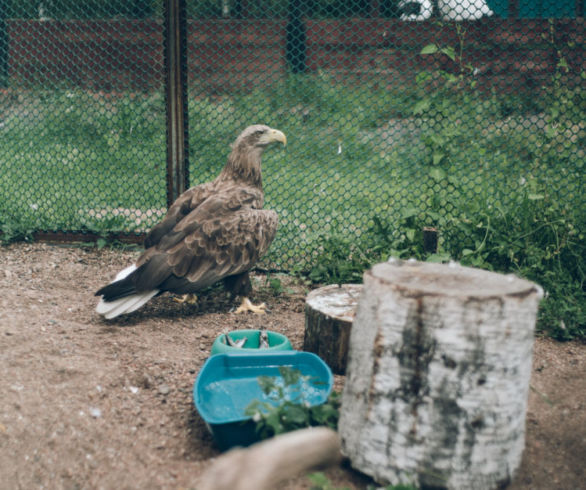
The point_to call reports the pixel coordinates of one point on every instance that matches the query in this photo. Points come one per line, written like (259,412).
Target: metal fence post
(3,45)
(296,36)
(176,98)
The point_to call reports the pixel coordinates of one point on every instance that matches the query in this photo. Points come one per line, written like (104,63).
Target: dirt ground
(88,403)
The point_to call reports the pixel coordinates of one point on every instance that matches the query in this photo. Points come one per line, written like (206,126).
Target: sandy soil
(88,403)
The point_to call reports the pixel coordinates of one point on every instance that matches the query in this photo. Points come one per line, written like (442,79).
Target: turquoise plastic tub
(227,383)
(277,342)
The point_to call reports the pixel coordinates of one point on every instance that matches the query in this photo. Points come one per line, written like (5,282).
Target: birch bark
(438,374)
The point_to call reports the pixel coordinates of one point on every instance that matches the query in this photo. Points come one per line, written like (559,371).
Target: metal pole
(176,98)
(296,48)
(3,45)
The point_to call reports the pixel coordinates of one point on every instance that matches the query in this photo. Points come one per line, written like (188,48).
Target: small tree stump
(329,312)
(438,375)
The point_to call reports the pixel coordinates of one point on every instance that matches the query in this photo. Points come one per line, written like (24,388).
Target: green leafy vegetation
(13,228)
(495,182)
(287,408)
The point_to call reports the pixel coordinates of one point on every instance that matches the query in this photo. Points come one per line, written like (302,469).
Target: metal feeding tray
(228,383)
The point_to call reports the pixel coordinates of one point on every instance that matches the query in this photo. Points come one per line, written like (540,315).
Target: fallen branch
(266,464)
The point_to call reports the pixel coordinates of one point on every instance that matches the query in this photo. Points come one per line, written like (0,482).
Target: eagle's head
(258,136)
(244,162)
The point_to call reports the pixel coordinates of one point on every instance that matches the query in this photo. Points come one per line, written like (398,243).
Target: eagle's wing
(225,235)
(183,205)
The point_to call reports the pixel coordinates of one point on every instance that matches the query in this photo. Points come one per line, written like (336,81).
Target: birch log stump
(329,312)
(438,375)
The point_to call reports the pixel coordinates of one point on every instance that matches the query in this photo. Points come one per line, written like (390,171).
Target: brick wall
(228,54)
(100,55)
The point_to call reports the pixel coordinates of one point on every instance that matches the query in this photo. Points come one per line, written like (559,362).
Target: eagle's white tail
(112,309)
(125,272)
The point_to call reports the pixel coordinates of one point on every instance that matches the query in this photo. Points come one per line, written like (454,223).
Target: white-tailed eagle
(214,231)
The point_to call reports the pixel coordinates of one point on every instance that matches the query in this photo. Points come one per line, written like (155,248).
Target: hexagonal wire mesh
(83,116)
(429,111)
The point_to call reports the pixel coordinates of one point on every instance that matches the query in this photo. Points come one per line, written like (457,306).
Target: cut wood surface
(438,375)
(264,465)
(329,312)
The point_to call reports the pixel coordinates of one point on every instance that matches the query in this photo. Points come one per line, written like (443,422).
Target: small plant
(14,229)
(343,261)
(339,261)
(287,408)
(320,481)
(274,285)
(404,243)
(466,71)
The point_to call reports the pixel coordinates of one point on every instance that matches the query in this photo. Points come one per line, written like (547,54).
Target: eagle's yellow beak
(276,135)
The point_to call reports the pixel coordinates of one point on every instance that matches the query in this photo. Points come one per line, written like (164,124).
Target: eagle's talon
(190,299)
(247,305)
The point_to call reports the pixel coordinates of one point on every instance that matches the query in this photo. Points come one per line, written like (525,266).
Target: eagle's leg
(239,285)
(190,299)
(247,305)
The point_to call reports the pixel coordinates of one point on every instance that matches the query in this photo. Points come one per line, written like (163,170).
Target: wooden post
(430,239)
(438,375)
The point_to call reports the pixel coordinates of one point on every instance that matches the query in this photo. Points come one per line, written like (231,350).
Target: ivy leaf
(450,52)
(101,243)
(326,414)
(295,414)
(422,77)
(450,77)
(421,106)
(273,422)
(267,384)
(429,49)
(438,258)
(437,157)
(436,173)
(290,376)
(408,213)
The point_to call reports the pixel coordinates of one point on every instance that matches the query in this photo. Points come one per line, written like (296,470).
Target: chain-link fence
(82,117)
(453,115)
